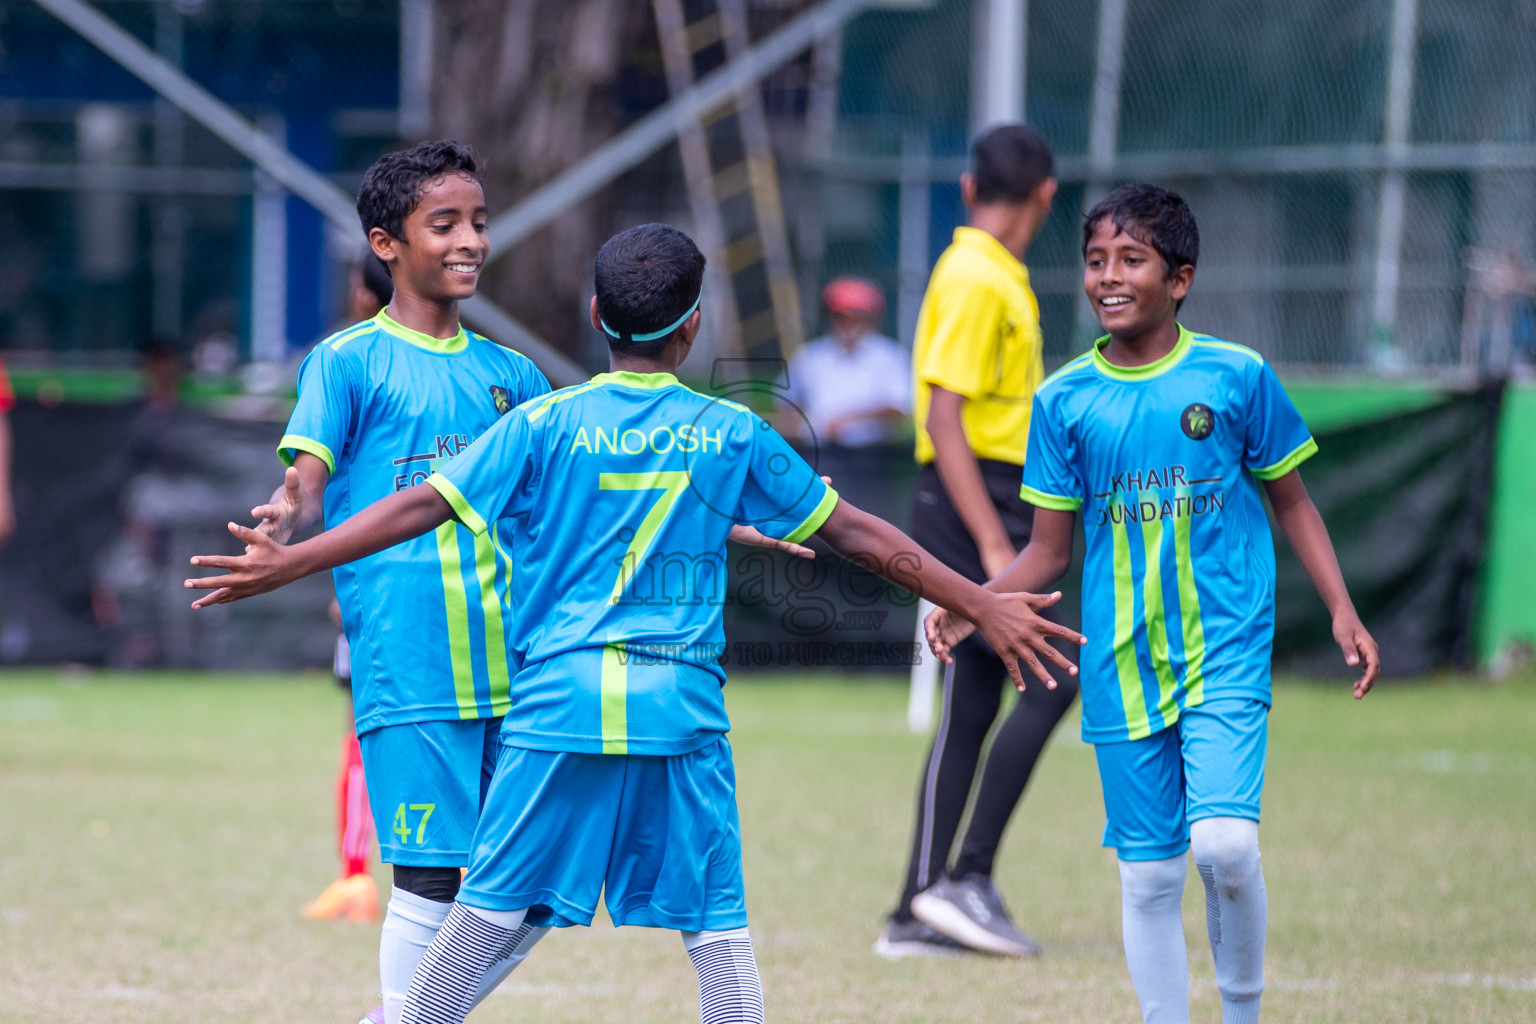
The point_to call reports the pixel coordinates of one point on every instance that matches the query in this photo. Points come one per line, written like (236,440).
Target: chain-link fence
(1364,171)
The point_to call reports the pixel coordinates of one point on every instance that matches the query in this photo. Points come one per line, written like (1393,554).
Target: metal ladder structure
(733,184)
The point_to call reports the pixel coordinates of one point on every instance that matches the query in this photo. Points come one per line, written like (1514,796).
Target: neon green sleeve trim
(815,519)
(1303,452)
(461,506)
(291,444)
(1055,502)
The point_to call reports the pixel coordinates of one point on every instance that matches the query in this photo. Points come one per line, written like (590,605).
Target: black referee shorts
(937,526)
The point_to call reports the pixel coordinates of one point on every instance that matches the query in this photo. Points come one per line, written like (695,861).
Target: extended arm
(267,565)
(1043,561)
(1010,623)
(1304,528)
(961,477)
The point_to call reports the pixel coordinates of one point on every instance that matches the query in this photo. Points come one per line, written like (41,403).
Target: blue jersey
(1179,574)
(428,622)
(621,493)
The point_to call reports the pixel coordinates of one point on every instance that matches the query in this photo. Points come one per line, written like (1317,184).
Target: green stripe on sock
(457,608)
(615,701)
(1189,616)
(495,638)
(1131,695)
(1157,617)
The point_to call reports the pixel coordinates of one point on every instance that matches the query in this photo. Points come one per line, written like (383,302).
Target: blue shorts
(426,782)
(1209,764)
(658,836)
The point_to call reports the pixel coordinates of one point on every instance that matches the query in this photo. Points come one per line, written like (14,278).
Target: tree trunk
(532,85)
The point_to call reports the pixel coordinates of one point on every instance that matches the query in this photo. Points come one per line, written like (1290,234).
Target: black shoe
(913,938)
(970,911)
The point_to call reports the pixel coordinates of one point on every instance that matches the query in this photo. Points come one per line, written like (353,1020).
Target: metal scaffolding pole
(999,67)
(1389,215)
(1103,130)
(282,166)
(915,201)
(269,263)
(417,20)
(168,213)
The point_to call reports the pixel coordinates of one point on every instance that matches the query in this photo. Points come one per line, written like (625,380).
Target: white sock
(452,973)
(1150,894)
(1226,852)
(730,991)
(410,924)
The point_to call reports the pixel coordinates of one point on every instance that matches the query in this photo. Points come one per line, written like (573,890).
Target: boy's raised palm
(278,518)
(1012,624)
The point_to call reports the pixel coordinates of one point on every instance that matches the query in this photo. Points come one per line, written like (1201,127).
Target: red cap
(853,296)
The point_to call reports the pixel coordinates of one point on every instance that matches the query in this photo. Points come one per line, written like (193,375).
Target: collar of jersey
(649,381)
(1154,369)
(990,247)
(442,346)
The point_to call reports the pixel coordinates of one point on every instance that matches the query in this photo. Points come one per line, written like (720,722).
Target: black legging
(973,690)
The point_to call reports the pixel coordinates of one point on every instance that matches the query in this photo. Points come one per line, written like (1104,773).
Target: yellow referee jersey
(978,335)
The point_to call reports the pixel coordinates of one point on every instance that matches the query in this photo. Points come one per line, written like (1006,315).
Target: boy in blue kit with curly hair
(614,776)
(1160,438)
(379,404)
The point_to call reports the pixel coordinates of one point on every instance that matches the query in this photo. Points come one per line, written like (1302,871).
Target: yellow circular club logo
(1198,421)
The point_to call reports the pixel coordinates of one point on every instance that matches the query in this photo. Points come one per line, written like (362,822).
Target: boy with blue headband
(614,775)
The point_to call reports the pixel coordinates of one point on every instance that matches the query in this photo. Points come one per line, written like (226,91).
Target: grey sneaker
(901,940)
(970,911)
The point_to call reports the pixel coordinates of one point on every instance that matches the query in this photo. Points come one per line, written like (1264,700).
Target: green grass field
(158,835)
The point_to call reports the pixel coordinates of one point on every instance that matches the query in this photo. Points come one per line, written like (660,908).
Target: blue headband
(653,335)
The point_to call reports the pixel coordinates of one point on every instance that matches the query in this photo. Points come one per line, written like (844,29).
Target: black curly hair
(1153,216)
(393,186)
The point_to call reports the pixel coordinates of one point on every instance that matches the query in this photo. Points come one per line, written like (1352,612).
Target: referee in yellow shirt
(976,364)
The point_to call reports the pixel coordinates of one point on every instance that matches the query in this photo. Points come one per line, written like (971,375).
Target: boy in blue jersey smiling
(1157,437)
(614,776)
(380,403)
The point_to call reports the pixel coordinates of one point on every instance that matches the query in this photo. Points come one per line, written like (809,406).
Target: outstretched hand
(1359,648)
(266,565)
(279,516)
(1017,632)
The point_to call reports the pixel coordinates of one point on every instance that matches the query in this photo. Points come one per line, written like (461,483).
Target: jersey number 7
(671,483)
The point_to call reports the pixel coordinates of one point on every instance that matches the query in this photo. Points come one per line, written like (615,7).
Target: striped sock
(730,991)
(524,938)
(450,974)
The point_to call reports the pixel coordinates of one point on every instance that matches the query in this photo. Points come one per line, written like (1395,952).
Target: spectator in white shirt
(853,384)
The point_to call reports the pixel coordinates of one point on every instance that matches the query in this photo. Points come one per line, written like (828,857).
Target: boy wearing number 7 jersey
(614,772)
